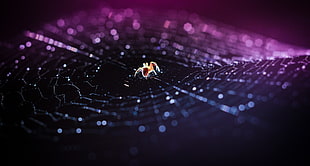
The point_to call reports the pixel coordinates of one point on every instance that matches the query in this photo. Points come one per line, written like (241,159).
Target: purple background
(285,21)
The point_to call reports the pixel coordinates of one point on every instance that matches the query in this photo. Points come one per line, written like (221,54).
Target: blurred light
(136,25)
(166,24)
(78,130)
(187,27)
(162,128)
(59,130)
(61,22)
(113,32)
(141,128)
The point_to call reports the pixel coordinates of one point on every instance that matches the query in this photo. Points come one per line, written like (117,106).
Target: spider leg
(138,71)
(154,64)
(157,68)
(153,72)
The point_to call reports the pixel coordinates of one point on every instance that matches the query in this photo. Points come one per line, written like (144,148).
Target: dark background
(285,21)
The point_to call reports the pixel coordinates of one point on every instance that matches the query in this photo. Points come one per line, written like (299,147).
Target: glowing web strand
(58,44)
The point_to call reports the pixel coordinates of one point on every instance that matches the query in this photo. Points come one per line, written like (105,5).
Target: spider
(147,69)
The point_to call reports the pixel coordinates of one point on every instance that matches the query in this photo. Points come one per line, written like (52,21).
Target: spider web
(74,77)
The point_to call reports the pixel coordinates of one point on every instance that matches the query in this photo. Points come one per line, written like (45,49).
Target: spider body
(147,69)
